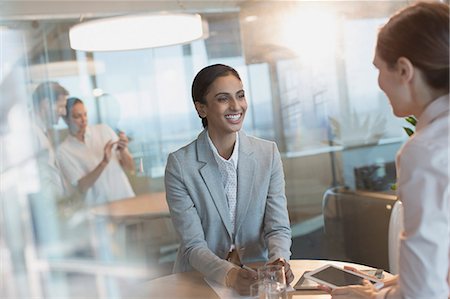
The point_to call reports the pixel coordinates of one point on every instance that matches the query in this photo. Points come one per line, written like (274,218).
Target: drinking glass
(272,273)
(267,290)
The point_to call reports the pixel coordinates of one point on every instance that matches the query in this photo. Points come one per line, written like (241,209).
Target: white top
(78,159)
(50,175)
(228,171)
(423,188)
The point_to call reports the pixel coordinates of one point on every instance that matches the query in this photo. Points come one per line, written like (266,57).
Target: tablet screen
(337,277)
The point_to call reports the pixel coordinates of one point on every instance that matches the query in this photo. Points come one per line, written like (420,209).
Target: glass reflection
(311,91)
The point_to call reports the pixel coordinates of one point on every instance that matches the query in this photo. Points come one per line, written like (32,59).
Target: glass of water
(268,290)
(272,273)
(274,280)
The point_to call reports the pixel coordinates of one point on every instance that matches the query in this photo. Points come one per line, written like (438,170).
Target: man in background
(49,102)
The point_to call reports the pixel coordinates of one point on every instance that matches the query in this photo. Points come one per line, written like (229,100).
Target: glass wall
(310,85)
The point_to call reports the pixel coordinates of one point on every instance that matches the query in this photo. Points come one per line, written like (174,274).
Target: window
(308,75)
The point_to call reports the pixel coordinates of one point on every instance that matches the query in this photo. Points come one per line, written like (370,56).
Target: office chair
(395,230)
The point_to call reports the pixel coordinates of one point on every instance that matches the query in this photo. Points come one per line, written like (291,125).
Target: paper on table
(224,292)
(228,293)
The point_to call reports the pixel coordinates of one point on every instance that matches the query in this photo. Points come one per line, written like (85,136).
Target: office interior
(311,87)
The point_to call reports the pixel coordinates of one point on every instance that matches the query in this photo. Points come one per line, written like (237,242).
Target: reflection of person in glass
(93,158)
(49,100)
(225,190)
(412,57)
(49,103)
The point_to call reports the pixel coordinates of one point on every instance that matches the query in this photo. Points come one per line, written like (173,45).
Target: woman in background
(93,158)
(225,190)
(412,56)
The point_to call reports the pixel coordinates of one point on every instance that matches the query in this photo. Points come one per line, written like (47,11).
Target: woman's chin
(235,127)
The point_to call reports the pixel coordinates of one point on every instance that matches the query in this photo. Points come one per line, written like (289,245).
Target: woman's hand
(107,151)
(123,141)
(366,291)
(241,279)
(287,269)
(88,180)
(126,160)
(387,282)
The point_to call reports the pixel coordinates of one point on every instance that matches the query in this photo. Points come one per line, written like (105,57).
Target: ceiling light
(97,92)
(136,32)
(251,18)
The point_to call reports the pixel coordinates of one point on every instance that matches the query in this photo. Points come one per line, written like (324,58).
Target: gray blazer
(199,210)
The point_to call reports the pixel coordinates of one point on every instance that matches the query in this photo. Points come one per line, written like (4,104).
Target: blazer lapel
(246,178)
(212,178)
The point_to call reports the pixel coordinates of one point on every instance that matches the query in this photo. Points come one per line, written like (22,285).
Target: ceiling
(65,9)
(50,21)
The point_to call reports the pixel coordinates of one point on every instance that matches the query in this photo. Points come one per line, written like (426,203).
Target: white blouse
(423,188)
(78,159)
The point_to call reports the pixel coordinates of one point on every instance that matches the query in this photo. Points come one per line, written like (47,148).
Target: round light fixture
(134,32)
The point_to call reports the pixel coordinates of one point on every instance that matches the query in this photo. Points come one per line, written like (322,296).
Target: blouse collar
(434,110)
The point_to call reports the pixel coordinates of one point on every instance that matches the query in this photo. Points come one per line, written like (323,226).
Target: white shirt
(228,171)
(77,159)
(50,175)
(423,188)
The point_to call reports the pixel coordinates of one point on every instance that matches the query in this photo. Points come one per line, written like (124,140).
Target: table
(140,227)
(189,285)
(149,205)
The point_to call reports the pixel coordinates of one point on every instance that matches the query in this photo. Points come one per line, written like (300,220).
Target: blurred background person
(49,101)
(412,57)
(94,159)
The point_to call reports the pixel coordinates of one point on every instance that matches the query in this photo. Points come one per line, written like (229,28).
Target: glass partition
(311,87)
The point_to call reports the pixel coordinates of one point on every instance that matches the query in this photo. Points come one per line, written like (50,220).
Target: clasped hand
(123,141)
(241,279)
(287,269)
(122,144)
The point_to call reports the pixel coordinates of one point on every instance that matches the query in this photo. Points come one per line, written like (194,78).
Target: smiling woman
(416,82)
(222,109)
(225,174)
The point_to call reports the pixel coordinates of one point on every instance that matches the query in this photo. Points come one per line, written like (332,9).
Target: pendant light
(132,32)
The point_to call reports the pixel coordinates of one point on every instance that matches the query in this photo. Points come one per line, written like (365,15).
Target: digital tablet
(333,277)
(306,284)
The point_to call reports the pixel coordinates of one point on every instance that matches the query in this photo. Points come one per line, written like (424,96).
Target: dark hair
(69,105)
(48,90)
(420,33)
(204,79)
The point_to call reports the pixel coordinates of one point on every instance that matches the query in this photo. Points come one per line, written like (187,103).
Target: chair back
(357,226)
(395,230)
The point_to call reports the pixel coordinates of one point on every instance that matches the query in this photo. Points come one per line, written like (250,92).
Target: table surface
(189,285)
(150,205)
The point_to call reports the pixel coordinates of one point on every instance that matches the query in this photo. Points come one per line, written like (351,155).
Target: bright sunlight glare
(311,34)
